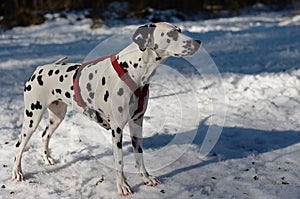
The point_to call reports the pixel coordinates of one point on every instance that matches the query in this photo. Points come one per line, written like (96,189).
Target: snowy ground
(257,155)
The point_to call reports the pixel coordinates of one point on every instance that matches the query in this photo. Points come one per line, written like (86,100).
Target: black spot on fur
(119,130)
(120,109)
(89,86)
(142,36)
(135,65)
(40,72)
(99,118)
(113,133)
(89,112)
(133,141)
(107,127)
(45,131)
(61,78)
(66,75)
(40,81)
(52,92)
(158,58)
(31,124)
(27,88)
(18,144)
(32,77)
(71,68)
(72,88)
(67,94)
(120,92)
(24,134)
(92,95)
(119,145)
(103,81)
(56,72)
(45,152)
(173,35)
(168,40)
(51,122)
(124,66)
(89,100)
(36,106)
(106,96)
(50,73)
(140,59)
(58,90)
(162,34)
(29,113)
(90,76)
(140,150)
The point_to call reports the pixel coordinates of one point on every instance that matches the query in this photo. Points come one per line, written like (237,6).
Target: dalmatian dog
(112,91)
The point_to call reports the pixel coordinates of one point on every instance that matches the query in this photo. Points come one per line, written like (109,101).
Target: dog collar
(139,92)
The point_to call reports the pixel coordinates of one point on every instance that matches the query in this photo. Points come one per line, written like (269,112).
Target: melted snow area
(256,155)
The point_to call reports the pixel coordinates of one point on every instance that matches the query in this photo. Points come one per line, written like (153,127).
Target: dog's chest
(106,95)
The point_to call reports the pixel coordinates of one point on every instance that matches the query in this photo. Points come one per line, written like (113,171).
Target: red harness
(139,92)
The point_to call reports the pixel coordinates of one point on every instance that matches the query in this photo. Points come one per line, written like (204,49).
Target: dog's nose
(198,41)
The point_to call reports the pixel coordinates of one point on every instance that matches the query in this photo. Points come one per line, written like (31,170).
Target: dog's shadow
(234,143)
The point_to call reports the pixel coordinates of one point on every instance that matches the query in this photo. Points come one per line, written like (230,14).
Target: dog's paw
(48,160)
(124,189)
(17,175)
(151,181)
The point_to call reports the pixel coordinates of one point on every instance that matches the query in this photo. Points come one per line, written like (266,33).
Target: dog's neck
(141,65)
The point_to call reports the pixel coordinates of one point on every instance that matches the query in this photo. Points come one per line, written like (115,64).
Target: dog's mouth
(198,41)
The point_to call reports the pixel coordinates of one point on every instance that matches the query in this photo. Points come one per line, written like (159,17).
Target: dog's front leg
(122,186)
(136,128)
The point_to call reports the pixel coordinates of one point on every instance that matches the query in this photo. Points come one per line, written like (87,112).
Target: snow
(256,156)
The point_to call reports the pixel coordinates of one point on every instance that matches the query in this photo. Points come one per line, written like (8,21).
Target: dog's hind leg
(136,139)
(56,113)
(32,116)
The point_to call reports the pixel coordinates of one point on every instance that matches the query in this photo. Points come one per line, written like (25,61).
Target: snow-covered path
(257,155)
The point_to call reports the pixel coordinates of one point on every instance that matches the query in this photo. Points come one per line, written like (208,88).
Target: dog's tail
(61,60)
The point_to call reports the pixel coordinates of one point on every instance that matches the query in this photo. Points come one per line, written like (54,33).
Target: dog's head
(165,39)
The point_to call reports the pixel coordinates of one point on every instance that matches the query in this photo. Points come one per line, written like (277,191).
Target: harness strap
(143,93)
(139,92)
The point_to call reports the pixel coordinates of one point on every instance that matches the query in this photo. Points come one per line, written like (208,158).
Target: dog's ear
(143,36)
